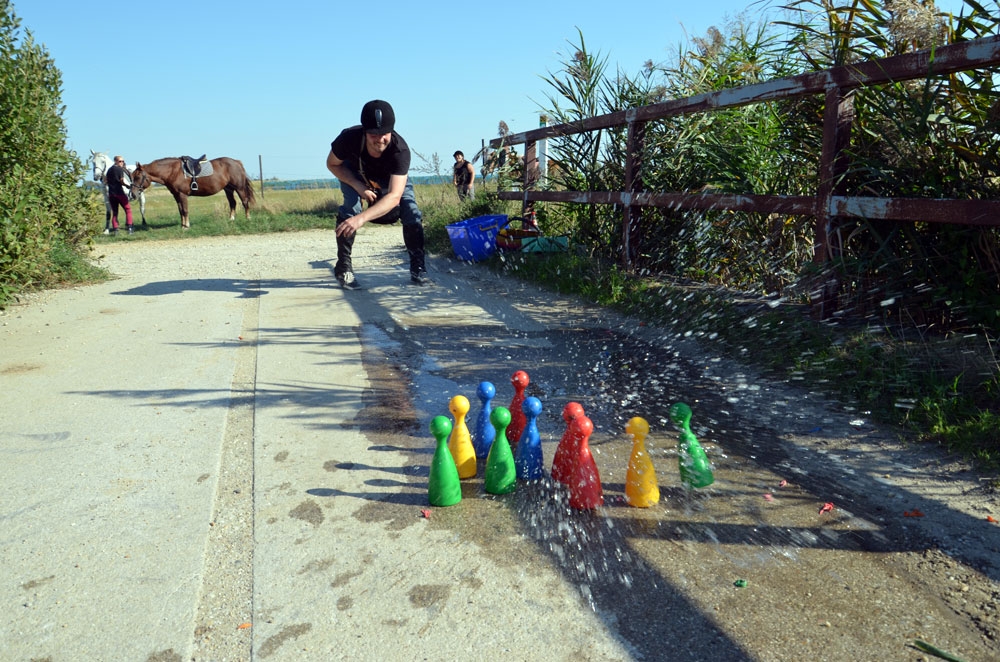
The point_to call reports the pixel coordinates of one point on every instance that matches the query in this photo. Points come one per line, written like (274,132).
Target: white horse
(101,163)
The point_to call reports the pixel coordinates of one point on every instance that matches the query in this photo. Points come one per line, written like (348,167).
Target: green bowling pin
(443,486)
(501,473)
(691,459)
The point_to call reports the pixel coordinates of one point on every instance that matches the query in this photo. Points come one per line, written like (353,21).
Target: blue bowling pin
(528,453)
(483,433)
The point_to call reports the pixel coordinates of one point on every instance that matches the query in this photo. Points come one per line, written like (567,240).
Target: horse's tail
(251,200)
(247,186)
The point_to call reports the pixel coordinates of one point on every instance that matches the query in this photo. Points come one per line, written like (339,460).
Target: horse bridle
(140,179)
(104,170)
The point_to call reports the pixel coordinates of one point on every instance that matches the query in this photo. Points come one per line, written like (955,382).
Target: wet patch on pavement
(429,595)
(308,511)
(687,554)
(289,633)
(20,368)
(345,577)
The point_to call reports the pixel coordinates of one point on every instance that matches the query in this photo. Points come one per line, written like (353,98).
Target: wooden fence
(830,202)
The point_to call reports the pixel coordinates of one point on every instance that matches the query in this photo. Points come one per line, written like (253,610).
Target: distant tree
(41,202)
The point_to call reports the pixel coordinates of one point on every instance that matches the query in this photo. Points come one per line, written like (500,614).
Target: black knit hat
(377,117)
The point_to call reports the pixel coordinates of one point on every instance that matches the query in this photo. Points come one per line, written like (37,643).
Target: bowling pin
(568,448)
(443,486)
(691,458)
(501,474)
(585,491)
(641,489)
(528,453)
(460,441)
(483,433)
(519,380)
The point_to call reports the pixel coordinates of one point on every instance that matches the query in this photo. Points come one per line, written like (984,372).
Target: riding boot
(413,238)
(344,247)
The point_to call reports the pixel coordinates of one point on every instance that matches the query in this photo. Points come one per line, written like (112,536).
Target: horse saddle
(194,168)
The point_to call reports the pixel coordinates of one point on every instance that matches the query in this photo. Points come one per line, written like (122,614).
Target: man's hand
(349,226)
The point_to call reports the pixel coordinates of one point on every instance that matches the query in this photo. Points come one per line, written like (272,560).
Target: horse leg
(182,207)
(246,202)
(142,208)
(232,203)
(107,208)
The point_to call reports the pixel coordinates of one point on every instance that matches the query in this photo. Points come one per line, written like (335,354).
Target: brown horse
(227,175)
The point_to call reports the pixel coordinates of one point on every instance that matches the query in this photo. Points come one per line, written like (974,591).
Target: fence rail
(830,202)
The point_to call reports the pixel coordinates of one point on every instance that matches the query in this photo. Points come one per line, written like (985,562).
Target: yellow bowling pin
(460,441)
(641,489)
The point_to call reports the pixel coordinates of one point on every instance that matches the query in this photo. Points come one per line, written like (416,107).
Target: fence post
(632,214)
(543,150)
(838,116)
(530,176)
(260,164)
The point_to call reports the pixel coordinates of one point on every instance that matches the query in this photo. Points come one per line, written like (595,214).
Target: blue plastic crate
(475,239)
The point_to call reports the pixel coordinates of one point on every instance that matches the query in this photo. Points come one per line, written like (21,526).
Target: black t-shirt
(463,176)
(116,177)
(349,147)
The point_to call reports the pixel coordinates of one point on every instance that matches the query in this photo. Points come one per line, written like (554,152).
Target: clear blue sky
(279,80)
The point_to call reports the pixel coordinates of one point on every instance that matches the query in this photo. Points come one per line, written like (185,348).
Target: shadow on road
(615,374)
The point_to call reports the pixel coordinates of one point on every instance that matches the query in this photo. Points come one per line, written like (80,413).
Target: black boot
(344,247)
(413,238)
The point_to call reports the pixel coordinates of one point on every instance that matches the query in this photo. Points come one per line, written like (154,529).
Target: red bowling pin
(585,491)
(569,446)
(519,380)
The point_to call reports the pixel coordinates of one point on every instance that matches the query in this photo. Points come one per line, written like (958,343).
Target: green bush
(42,205)
(932,138)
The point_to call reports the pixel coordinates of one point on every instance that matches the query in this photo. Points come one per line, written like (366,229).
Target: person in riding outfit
(119,185)
(371,161)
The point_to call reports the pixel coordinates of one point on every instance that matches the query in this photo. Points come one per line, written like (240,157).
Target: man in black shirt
(371,161)
(119,184)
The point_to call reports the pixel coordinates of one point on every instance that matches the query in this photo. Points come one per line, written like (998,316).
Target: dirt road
(222,456)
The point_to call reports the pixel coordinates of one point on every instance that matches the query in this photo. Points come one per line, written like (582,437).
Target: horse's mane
(164,161)
(164,168)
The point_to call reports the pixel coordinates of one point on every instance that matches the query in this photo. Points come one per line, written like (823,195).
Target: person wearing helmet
(372,162)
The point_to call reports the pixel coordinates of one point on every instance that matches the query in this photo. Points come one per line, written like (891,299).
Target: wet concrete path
(232,463)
